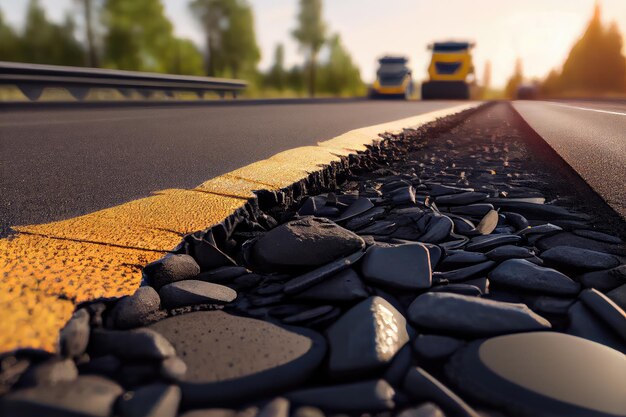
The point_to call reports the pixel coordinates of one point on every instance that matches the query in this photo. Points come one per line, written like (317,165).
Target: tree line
(594,66)
(137,36)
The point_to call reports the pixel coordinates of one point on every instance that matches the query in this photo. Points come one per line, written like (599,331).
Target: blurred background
(294,48)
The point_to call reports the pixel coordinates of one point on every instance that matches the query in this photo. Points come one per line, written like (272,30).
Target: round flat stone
(404,266)
(543,374)
(191,292)
(519,273)
(232,359)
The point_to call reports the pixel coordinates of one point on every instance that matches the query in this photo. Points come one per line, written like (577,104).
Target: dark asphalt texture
(590,136)
(57,163)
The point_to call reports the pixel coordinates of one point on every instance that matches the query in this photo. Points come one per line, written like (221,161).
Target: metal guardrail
(31,79)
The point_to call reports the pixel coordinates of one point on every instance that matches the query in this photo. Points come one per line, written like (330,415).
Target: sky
(540,32)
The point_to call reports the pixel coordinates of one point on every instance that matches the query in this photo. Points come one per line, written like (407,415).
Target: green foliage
(41,42)
(311,34)
(228,25)
(276,77)
(515,81)
(595,64)
(139,37)
(339,76)
(9,42)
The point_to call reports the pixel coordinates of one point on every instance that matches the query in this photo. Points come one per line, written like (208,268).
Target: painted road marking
(617,113)
(47,269)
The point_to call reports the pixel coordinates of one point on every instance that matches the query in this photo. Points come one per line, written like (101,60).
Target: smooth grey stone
(586,324)
(327,211)
(481,283)
(421,386)
(519,273)
(270,289)
(398,367)
(131,344)
(435,253)
(360,206)
(583,259)
(605,280)
(310,205)
(106,365)
(379,228)
(606,309)
(472,316)
(364,219)
(173,369)
(539,374)
(435,347)
(376,327)
(305,411)
(618,295)
(534,232)
(466,273)
(278,407)
(424,410)
(391,186)
(473,210)
(436,190)
(207,255)
(192,292)
(214,412)
(552,305)
(222,275)
(136,310)
(247,281)
(599,236)
(309,241)
(74,337)
(308,280)
(488,223)
(87,396)
(516,220)
(463,289)
(234,360)
(50,372)
(344,286)
(456,259)
(570,239)
(367,396)
(156,400)
(488,242)
(502,253)
(404,266)
(438,229)
(170,269)
(307,315)
(461,199)
(464,227)
(404,195)
(537,211)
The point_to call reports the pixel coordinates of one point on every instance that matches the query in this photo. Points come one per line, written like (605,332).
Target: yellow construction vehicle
(393,79)
(451,71)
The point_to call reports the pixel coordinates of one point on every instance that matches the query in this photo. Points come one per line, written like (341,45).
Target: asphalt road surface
(590,136)
(57,163)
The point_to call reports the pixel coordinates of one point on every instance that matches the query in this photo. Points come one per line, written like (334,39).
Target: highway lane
(590,136)
(57,163)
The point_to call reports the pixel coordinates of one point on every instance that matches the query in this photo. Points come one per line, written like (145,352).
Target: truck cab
(393,78)
(450,71)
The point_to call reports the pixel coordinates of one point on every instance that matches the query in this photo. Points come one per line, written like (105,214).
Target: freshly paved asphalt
(590,136)
(57,163)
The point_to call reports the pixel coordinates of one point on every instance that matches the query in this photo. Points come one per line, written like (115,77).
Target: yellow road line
(48,268)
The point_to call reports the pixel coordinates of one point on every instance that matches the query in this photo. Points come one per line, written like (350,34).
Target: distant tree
(311,34)
(277,75)
(515,81)
(185,59)
(339,75)
(231,47)
(595,63)
(44,42)
(487,75)
(89,11)
(9,42)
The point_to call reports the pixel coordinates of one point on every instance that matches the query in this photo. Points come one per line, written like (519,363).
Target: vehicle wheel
(445,90)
